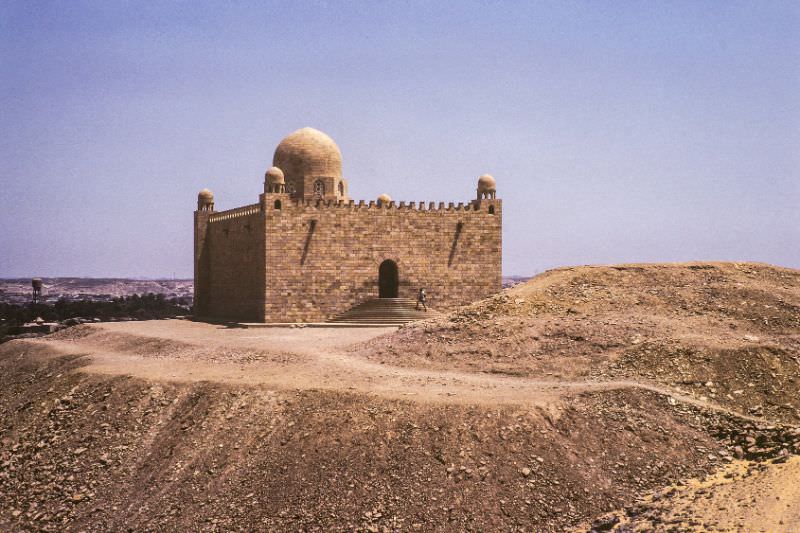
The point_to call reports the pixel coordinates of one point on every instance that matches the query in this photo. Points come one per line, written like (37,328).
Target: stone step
(383,311)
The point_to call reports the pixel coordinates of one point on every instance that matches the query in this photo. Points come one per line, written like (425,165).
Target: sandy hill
(583,391)
(727,331)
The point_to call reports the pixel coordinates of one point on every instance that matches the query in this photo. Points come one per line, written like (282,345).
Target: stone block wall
(233,272)
(309,261)
(201,262)
(323,258)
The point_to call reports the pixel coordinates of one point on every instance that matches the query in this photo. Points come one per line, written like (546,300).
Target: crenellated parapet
(237,212)
(474,206)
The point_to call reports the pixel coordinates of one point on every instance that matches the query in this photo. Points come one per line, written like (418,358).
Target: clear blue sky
(617,131)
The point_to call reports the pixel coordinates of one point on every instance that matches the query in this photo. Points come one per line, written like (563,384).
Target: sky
(617,131)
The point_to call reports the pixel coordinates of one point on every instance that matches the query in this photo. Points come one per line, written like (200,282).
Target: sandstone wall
(234,280)
(201,262)
(321,259)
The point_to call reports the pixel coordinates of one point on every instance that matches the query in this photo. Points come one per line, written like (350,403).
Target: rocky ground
(562,403)
(743,496)
(729,332)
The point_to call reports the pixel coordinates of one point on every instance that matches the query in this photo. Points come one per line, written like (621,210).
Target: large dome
(308,152)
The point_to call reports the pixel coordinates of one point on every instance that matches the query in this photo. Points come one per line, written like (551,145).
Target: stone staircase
(383,311)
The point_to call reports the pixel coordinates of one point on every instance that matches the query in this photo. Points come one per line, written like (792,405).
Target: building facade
(306,252)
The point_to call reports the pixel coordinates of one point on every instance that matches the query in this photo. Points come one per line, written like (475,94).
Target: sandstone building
(307,252)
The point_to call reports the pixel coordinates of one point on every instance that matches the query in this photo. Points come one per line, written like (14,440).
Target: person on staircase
(421,298)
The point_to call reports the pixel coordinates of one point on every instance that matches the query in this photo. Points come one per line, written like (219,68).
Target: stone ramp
(383,311)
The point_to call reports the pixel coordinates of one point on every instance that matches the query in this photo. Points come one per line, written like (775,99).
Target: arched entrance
(388,279)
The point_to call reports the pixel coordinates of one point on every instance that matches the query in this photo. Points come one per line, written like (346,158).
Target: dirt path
(306,358)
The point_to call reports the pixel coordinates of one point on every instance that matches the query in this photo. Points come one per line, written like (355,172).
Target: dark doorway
(387,279)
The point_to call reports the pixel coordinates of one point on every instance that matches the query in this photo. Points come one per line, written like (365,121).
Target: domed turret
(487,187)
(384,199)
(311,163)
(205,200)
(274,181)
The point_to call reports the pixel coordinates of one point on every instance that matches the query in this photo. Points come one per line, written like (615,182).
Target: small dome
(205,200)
(384,199)
(308,152)
(487,183)
(274,176)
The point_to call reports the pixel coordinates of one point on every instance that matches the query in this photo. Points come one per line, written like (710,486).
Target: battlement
(474,206)
(352,205)
(236,212)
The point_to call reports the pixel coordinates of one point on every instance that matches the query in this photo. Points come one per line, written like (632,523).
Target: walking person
(421,298)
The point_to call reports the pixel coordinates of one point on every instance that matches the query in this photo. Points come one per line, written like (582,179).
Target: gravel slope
(540,409)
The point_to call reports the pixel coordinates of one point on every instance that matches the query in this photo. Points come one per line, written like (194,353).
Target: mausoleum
(307,252)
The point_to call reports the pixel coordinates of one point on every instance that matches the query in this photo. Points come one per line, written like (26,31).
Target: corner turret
(487,187)
(205,200)
(274,181)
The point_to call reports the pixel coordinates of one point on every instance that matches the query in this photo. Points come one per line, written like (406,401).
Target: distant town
(72,289)
(18,290)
